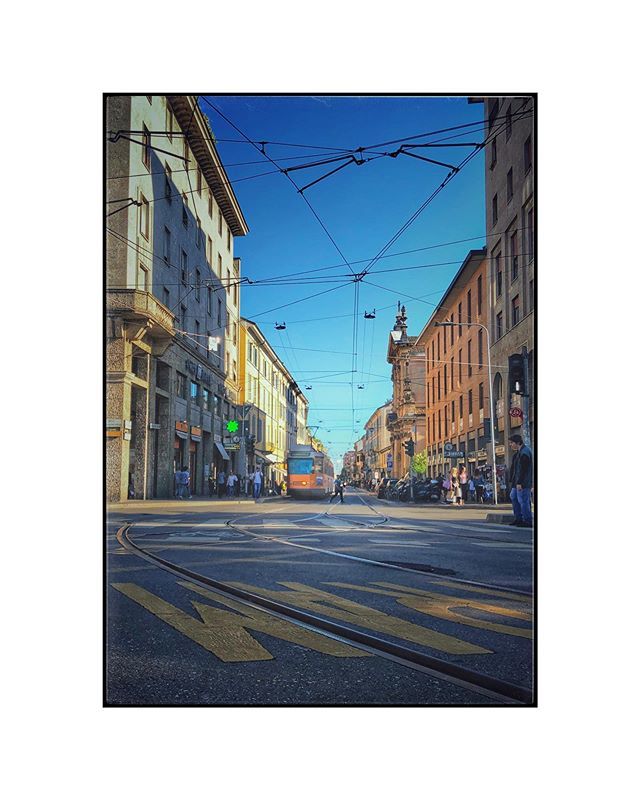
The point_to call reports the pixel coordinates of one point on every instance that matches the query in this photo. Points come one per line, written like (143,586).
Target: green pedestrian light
(232,425)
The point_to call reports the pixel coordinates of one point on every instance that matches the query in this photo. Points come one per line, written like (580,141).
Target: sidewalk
(200,500)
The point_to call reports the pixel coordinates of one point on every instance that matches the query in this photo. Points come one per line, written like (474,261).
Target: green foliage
(420,463)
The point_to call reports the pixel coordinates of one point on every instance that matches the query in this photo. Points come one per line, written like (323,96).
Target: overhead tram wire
(297,188)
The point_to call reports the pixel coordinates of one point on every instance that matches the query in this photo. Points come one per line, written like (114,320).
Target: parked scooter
(428,491)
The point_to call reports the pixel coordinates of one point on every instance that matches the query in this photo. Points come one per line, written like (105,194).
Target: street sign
(231,446)
(515,412)
(454,454)
(447,446)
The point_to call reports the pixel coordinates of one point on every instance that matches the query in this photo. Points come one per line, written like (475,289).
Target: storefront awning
(222,451)
(270,458)
(182,434)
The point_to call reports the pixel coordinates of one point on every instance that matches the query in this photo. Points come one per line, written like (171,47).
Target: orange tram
(309,473)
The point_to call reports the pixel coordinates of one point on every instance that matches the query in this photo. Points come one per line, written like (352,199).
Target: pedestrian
(454,492)
(464,484)
(257,483)
(211,483)
(231,483)
(182,484)
(131,490)
(222,482)
(479,484)
(338,489)
(472,489)
(521,479)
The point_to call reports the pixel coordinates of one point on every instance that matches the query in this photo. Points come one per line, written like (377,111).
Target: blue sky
(362,207)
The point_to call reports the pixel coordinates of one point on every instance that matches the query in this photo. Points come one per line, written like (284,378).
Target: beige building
(406,420)
(172,295)
(377,444)
(276,408)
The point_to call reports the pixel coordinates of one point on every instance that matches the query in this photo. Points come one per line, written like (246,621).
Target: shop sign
(231,446)
(182,426)
(114,423)
(515,412)
(154,426)
(499,449)
(195,431)
(198,370)
(389,460)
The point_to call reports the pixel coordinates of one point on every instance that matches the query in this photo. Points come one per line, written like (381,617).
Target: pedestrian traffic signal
(232,425)
(409,447)
(516,374)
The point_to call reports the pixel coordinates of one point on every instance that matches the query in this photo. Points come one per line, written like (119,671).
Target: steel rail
(480,683)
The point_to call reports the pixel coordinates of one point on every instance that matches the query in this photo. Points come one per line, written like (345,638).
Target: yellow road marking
(480,590)
(225,634)
(330,605)
(442,605)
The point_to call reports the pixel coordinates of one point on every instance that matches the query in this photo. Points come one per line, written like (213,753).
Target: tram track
(487,686)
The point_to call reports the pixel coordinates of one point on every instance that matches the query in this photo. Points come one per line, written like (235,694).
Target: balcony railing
(136,304)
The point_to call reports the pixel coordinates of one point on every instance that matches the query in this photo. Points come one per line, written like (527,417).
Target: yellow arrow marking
(330,605)
(442,605)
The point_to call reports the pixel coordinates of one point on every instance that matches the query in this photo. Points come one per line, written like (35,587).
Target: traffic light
(409,447)
(517,374)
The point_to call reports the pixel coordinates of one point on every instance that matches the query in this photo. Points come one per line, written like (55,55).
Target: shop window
(181,385)
(206,399)
(194,393)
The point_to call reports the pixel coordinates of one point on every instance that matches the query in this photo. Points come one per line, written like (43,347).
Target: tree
(420,463)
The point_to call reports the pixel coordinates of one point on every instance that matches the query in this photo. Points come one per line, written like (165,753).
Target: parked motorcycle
(428,491)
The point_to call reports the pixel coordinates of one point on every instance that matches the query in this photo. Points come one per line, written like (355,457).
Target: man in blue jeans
(521,476)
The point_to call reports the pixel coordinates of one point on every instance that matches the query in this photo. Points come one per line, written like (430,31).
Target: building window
(194,392)
(142,278)
(181,385)
(470,401)
(527,155)
(167,183)
(197,291)
(206,399)
(228,239)
(183,318)
(219,266)
(184,268)
(446,384)
(235,294)
(210,204)
(199,181)
(235,370)
(438,386)
(444,340)
(494,210)
(219,222)
(515,310)
(508,123)
(451,373)
(529,235)
(460,366)
(498,274)
(438,347)
(228,280)
(185,152)
(459,319)
(494,153)
(469,318)
(146,148)
(169,123)
(198,233)
(197,334)
(510,185)
(481,395)
(219,313)
(480,351)
(209,300)
(144,216)
(479,295)
(185,214)
(166,296)
(514,255)
(499,329)
(453,412)
(469,369)
(235,333)
(451,329)
(493,112)
(446,421)
(460,407)
(439,425)
(166,253)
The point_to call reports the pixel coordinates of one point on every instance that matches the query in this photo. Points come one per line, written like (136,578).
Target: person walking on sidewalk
(521,479)
(231,484)
(338,489)
(182,481)
(479,484)
(464,485)
(222,482)
(257,483)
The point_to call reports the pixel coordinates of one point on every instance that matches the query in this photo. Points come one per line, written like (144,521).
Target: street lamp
(493,436)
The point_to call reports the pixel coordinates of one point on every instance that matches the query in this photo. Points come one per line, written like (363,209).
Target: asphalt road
(440,581)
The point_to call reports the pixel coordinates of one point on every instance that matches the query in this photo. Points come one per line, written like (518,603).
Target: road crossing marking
(224,633)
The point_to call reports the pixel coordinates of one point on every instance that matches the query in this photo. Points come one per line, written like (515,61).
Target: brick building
(457,378)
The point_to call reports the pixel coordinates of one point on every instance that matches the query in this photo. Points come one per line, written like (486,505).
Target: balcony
(136,306)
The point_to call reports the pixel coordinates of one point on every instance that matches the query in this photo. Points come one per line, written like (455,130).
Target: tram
(309,473)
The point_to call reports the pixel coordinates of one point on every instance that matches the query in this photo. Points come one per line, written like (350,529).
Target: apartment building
(455,345)
(170,296)
(276,407)
(406,420)
(377,447)
(511,219)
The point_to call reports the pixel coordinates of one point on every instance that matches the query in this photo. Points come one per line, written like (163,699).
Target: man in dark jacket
(521,476)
